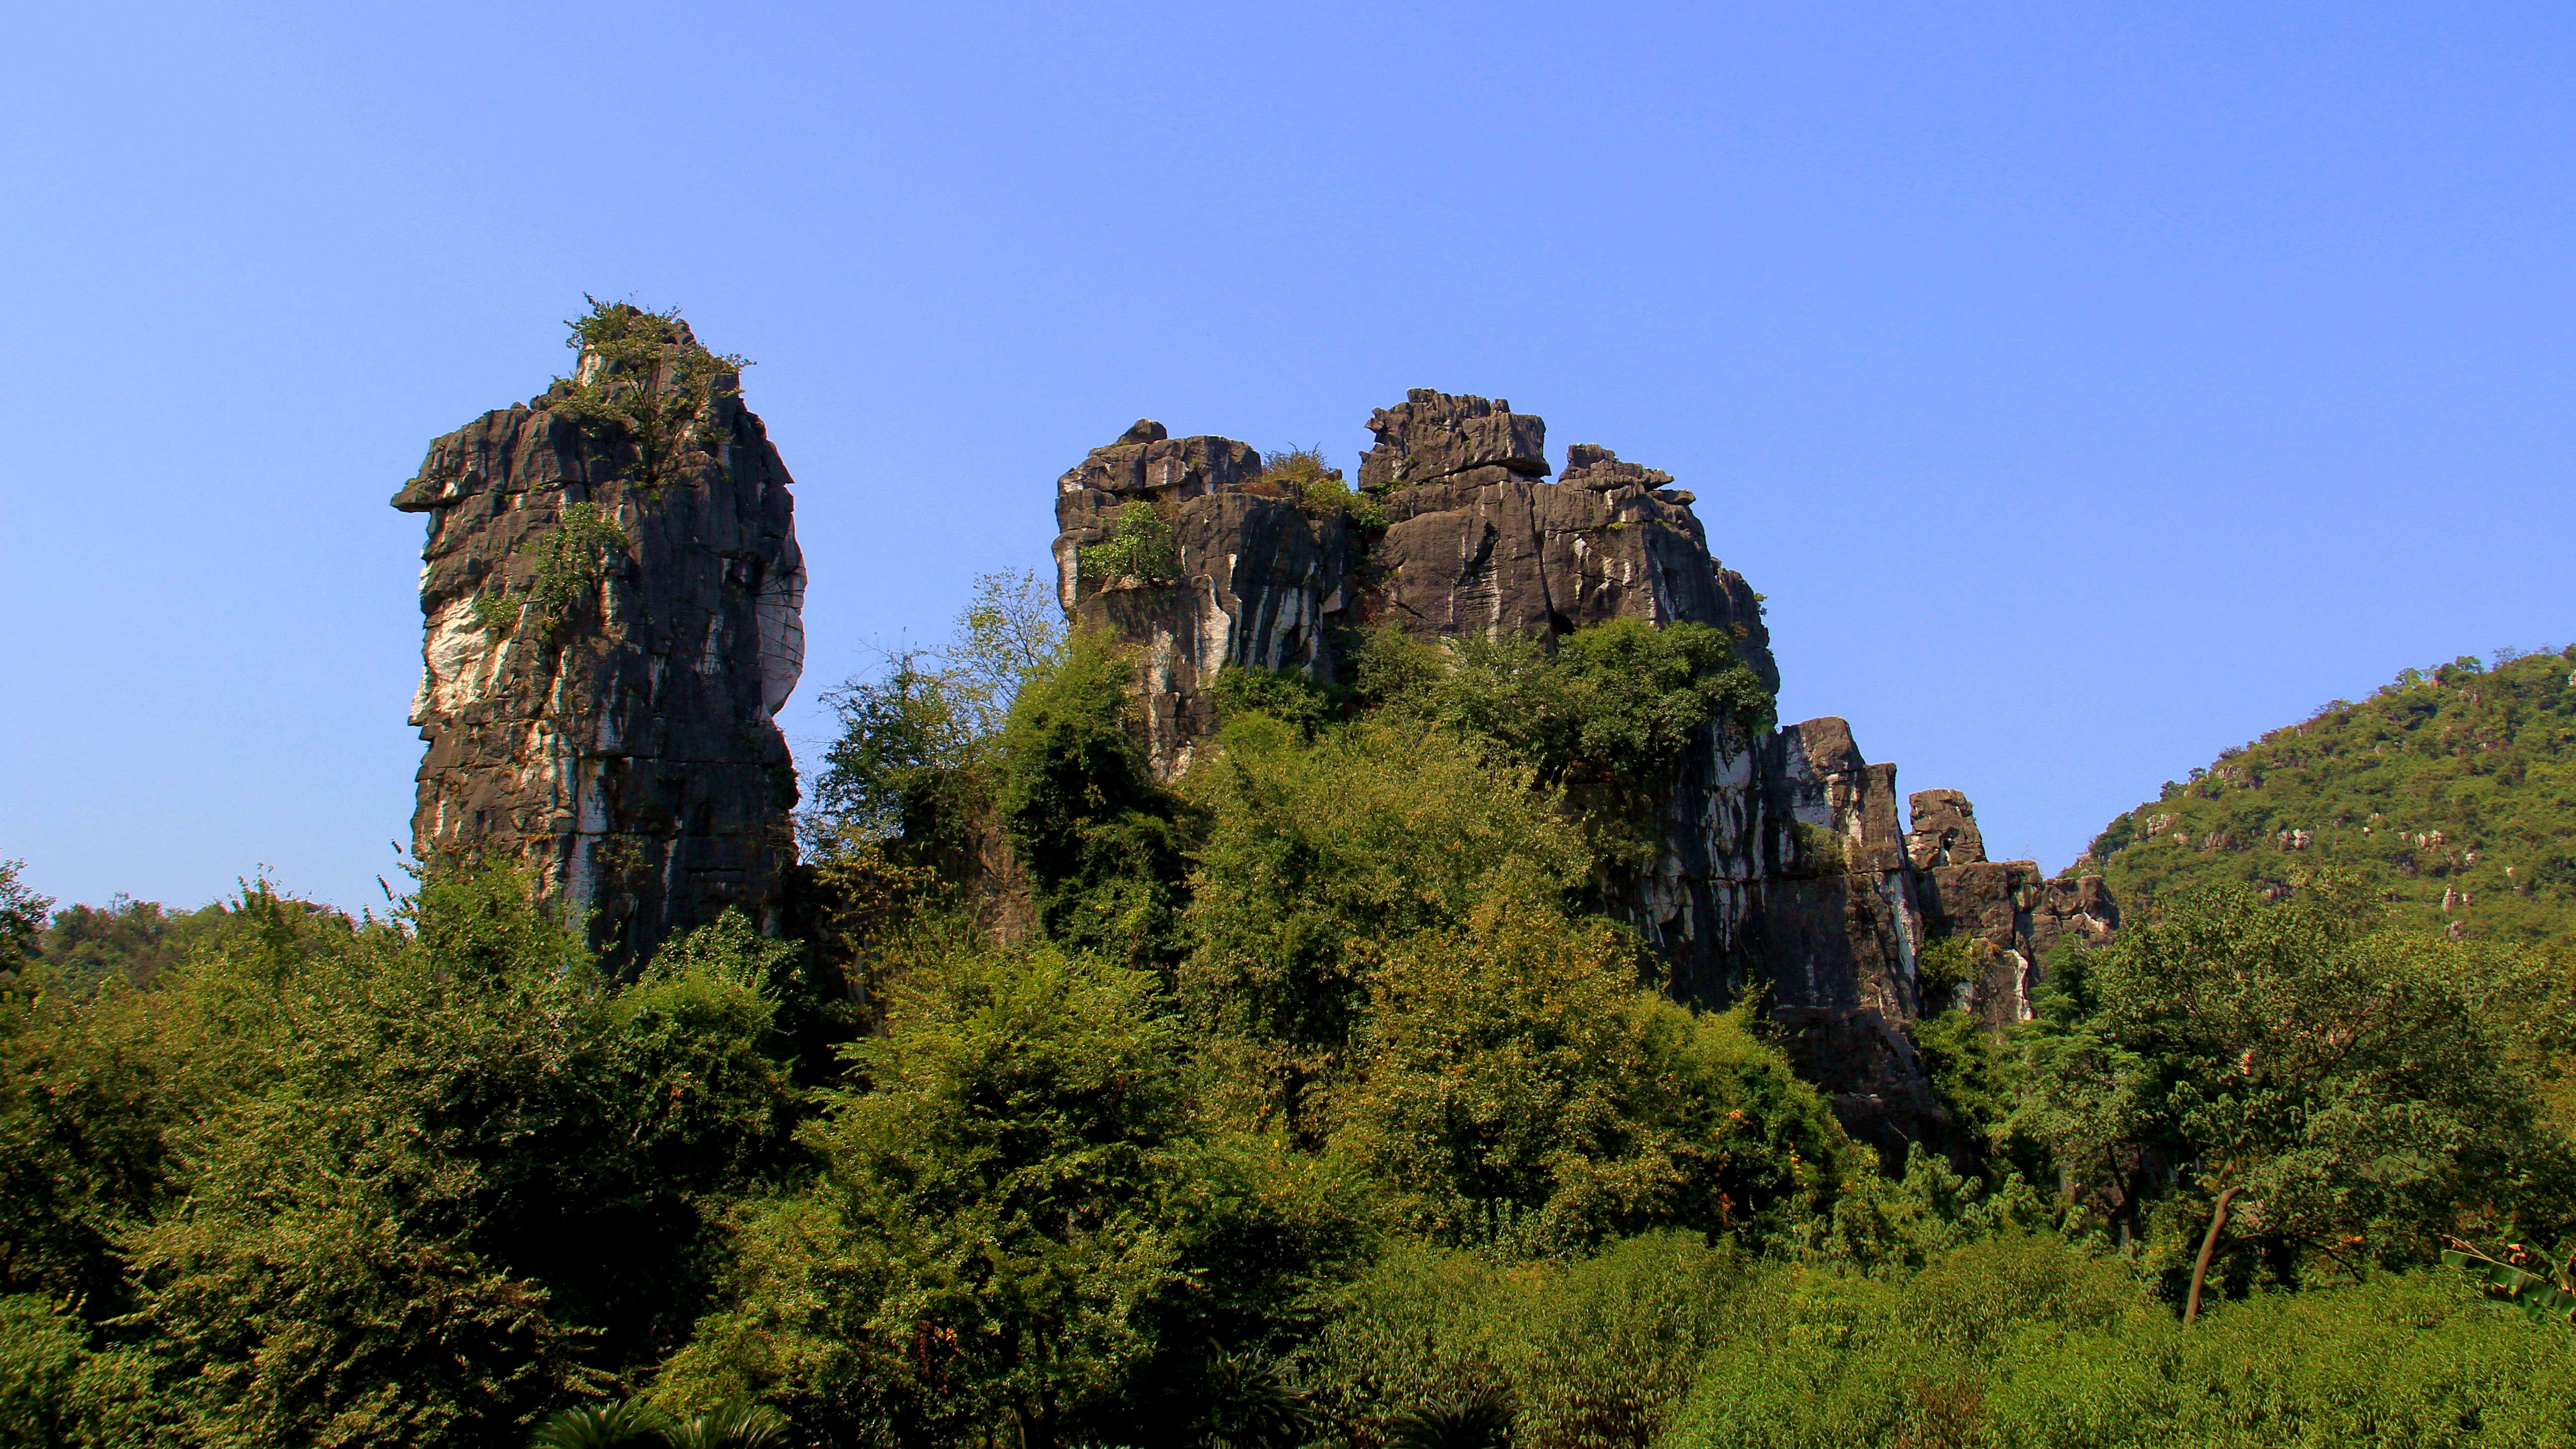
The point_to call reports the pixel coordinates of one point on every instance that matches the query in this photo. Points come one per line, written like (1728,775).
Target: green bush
(1589,1351)
(1511,1082)
(57,1393)
(1292,697)
(1830,1357)
(389,1183)
(1019,1224)
(2021,1342)
(1140,546)
(1319,858)
(653,388)
(1605,714)
(1097,834)
(1320,489)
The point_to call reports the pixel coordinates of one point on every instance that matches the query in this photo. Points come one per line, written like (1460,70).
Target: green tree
(130,940)
(1316,859)
(900,766)
(404,1182)
(1098,835)
(1611,707)
(2328,1095)
(22,917)
(1015,1202)
(1514,1083)
(903,834)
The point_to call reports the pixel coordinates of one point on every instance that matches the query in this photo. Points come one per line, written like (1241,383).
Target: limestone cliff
(1785,868)
(1262,582)
(614,615)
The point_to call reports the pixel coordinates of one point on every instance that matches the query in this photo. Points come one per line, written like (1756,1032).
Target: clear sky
(2089,387)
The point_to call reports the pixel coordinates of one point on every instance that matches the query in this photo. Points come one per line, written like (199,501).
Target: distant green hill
(2456,784)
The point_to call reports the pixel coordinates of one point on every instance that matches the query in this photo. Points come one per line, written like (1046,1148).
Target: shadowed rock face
(627,757)
(1263,582)
(1786,864)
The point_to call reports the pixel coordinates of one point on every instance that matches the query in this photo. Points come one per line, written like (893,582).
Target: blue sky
(2089,388)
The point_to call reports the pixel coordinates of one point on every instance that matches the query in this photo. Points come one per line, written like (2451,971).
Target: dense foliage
(2023,1341)
(406,1181)
(2447,793)
(1307,1098)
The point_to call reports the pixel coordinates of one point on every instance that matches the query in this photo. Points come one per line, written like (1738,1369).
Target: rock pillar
(614,618)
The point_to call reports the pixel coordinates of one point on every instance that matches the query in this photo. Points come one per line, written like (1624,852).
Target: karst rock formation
(1785,866)
(598,702)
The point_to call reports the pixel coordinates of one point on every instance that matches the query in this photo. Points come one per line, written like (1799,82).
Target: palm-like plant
(1255,1405)
(731,1426)
(1479,1419)
(599,1426)
(633,1421)
(2542,1285)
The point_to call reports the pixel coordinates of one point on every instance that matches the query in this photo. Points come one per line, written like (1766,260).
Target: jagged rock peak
(1147,461)
(1432,435)
(1589,465)
(1945,830)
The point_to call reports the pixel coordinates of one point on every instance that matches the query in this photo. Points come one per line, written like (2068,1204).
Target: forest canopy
(1307,1098)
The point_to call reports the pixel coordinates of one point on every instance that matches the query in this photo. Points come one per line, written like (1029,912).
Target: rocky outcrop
(608,639)
(1786,864)
(1264,579)
(1944,831)
(1477,543)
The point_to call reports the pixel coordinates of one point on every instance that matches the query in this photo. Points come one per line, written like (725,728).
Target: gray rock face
(626,756)
(1431,436)
(2013,917)
(1264,581)
(1786,864)
(1945,830)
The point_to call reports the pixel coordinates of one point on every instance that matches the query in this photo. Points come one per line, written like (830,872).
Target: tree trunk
(2208,1246)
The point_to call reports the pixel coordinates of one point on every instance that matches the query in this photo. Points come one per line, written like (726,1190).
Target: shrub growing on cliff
(1605,715)
(1614,704)
(1319,488)
(1139,546)
(651,383)
(571,558)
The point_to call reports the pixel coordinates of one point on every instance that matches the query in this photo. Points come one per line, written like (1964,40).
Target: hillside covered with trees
(1305,1098)
(2448,794)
